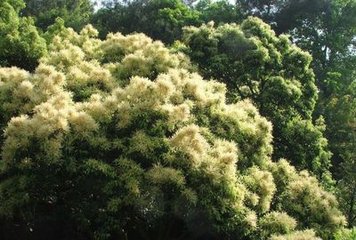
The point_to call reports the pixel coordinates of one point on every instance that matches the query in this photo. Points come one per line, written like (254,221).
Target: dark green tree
(75,13)
(340,113)
(222,11)
(264,9)
(20,43)
(160,19)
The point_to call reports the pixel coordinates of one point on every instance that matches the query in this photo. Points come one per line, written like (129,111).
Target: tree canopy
(276,75)
(160,19)
(76,13)
(117,138)
(20,43)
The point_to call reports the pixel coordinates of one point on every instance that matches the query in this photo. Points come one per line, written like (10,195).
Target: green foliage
(341,114)
(268,69)
(306,142)
(298,235)
(75,13)
(222,11)
(326,28)
(99,147)
(345,234)
(20,43)
(160,19)
(264,9)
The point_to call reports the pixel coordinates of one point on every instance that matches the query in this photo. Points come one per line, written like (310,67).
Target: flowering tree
(117,138)
(276,75)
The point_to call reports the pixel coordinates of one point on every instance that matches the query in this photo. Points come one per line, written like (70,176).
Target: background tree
(222,11)
(161,20)
(341,114)
(264,9)
(20,43)
(75,13)
(327,29)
